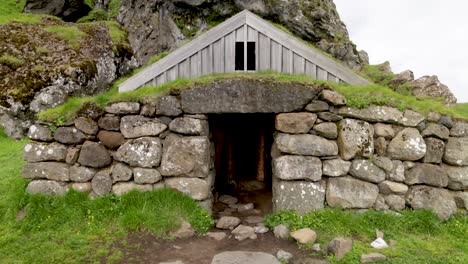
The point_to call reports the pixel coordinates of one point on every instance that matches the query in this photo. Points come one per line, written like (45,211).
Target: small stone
(243,232)
(317,106)
(456,151)
(383,130)
(72,155)
(347,192)
(380,204)
(141,152)
(435,150)
(37,152)
(40,133)
(446,121)
(227,199)
(109,123)
(295,123)
(241,257)
(336,167)
(388,187)
(283,255)
(304,144)
(81,174)
(355,138)
(384,163)
(168,106)
(196,188)
(189,126)
(253,219)
(459,129)
(145,175)
(433,117)
(112,140)
(398,172)
(122,188)
(428,174)
(216,235)
(123,108)
(395,202)
(434,130)
(372,257)
(86,125)
(84,187)
(140,126)
(332,97)
(379,243)
(281,231)
(327,130)
(411,118)
(316,247)
(304,235)
(408,145)
(185,230)
(245,207)
(457,176)
(339,247)
(102,183)
(121,172)
(69,135)
(367,170)
(47,187)
(228,222)
(331,117)
(380,145)
(49,170)
(291,167)
(94,155)
(148,110)
(261,229)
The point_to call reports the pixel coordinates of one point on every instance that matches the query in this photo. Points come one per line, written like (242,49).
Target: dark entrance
(243,157)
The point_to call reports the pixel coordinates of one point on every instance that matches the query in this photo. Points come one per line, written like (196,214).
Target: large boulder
(189,126)
(407,145)
(431,86)
(186,156)
(346,192)
(245,95)
(86,125)
(355,138)
(140,126)
(411,118)
(36,152)
(146,176)
(373,113)
(435,130)
(40,133)
(47,187)
(141,152)
(459,129)
(68,10)
(196,188)
(437,199)
(81,174)
(300,196)
(102,183)
(168,106)
(429,174)
(456,151)
(306,145)
(94,155)
(457,177)
(295,123)
(47,170)
(367,170)
(297,168)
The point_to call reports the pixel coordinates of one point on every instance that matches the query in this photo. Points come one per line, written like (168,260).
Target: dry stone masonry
(324,152)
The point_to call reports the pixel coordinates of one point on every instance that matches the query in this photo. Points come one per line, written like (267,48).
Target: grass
(11,10)
(114,6)
(357,96)
(73,35)
(11,61)
(73,228)
(157,57)
(421,237)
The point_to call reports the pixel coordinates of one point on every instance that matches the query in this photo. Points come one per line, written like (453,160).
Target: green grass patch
(94,15)
(357,96)
(73,35)
(73,228)
(11,61)
(157,57)
(11,11)
(114,6)
(10,7)
(421,237)
(117,33)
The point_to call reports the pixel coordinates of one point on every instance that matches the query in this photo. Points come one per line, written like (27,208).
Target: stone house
(287,145)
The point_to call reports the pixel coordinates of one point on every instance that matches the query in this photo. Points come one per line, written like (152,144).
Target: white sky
(429,37)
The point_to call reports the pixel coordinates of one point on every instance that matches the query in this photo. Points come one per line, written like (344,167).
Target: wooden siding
(275,51)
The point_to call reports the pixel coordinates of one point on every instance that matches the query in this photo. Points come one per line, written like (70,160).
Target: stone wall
(324,153)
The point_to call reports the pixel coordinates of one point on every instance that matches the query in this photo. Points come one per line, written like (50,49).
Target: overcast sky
(429,37)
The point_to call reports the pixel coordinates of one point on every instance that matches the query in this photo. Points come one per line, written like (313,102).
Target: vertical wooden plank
(252,34)
(332,78)
(195,65)
(287,61)
(218,56)
(264,52)
(245,47)
(161,79)
(322,74)
(298,64)
(172,73)
(240,36)
(230,52)
(207,61)
(310,69)
(184,69)
(276,56)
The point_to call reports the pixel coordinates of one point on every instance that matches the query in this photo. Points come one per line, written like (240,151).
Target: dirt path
(146,248)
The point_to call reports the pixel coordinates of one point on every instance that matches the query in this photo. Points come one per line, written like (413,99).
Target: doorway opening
(243,157)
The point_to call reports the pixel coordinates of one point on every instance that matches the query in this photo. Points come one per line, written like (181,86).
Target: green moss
(378,73)
(94,15)
(11,61)
(157,57)
(10,7)
(42,50)
(114,6)
(73,35)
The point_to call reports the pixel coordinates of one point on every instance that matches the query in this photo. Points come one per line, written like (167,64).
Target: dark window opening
(251,56)
(239,56)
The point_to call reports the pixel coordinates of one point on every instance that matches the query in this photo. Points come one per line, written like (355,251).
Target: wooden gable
(215,52)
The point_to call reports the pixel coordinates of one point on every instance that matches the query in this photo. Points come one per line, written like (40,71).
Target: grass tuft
(11,61)
(73,35)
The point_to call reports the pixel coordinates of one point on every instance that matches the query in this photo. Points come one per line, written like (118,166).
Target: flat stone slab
(247,96)
(243,257)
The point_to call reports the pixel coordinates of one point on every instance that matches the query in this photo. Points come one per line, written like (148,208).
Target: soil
(146,248)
